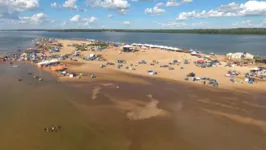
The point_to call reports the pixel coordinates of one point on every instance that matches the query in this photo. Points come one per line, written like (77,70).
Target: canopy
(48,62)
(55,68)
(127,46)
(92,55)
(200,61)
(256,69)
(193,53)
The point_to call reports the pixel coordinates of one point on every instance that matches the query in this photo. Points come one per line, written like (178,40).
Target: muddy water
(96,115)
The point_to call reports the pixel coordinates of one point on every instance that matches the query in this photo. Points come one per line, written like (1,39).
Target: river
(217,43)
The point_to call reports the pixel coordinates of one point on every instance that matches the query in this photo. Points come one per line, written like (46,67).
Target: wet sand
(98,115)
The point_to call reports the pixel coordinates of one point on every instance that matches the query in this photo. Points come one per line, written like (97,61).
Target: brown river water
(100,116)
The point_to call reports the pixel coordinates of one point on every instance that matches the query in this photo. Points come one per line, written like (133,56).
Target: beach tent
(91,55)
(200,61)
(255,69)
(47,62)
(127,48)
(193,53)
(55,68)
(249,56)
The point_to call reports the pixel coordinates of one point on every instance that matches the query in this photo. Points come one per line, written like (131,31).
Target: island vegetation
(261,31)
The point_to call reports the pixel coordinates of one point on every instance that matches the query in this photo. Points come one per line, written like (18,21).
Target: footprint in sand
(95,92)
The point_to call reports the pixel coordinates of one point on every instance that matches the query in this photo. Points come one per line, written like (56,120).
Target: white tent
(193,53)
(255,69)
(127,46)
(47,62)
(91,55)
(136,44)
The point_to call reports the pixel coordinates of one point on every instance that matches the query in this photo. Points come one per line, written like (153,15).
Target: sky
(131,14)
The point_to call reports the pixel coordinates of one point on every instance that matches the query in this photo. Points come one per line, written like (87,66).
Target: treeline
(195,31)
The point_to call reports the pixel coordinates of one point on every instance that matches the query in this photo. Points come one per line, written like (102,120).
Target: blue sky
(132,14)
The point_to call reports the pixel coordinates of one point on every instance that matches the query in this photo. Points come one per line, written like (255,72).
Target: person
(46,129)
(204,82)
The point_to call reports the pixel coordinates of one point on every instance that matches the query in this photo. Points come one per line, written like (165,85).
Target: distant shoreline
(238,31)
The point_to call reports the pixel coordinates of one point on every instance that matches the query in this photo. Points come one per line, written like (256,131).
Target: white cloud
(63,24)
(70,4)
(120,6)
(55,5)
(84,21)
(20,5)
(75,18)
(159,5)
(126,22)
(155,10)
(173,24)
(142,0)
(35,19)
(200,24)
(246,23)
(175,3)
(10,8)
(110,16)
(250,8)
(82,10)
(90,20)
(122,11)
(250,24)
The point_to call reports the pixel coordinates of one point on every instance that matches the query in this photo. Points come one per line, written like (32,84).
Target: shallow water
(196,119)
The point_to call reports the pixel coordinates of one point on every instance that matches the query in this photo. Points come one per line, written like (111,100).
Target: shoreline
(126,109)
(114,53)
(230,31)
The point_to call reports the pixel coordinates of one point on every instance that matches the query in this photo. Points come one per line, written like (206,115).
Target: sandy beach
(123,109)
(112,54)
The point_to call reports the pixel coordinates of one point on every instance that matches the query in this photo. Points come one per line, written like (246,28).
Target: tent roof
(48,62)
(255,69)
(127,46)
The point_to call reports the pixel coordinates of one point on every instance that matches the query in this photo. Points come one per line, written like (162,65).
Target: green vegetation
(261,31)
(81,47)
(99,44)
